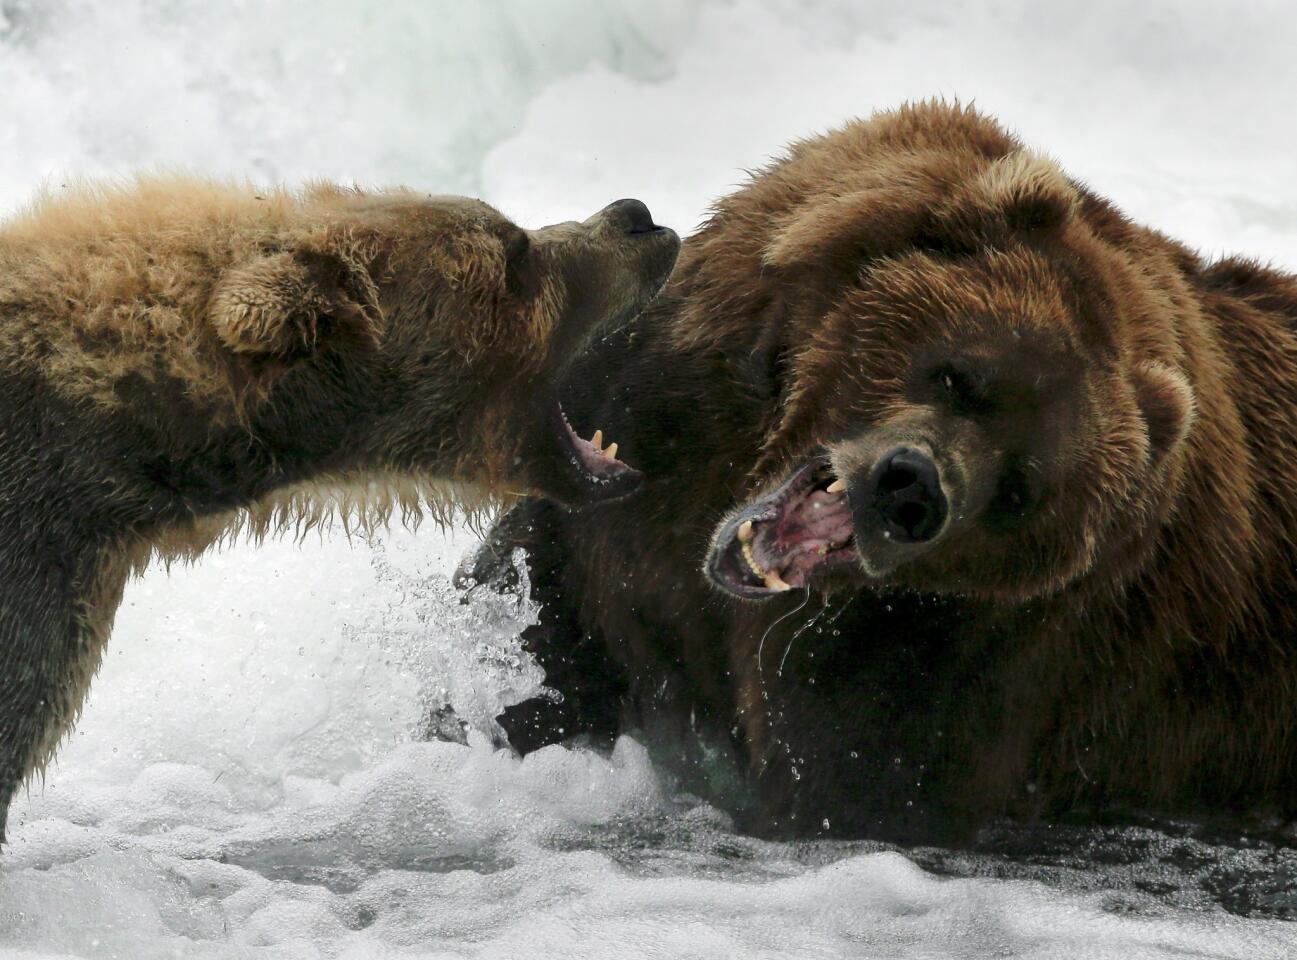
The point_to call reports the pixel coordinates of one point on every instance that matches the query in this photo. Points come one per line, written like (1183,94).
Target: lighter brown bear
(184,360)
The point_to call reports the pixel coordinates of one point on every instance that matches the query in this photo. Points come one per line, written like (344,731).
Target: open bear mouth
(595,467)
(780,541)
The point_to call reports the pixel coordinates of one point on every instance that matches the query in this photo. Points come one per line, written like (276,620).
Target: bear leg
(56,607)
(575,662)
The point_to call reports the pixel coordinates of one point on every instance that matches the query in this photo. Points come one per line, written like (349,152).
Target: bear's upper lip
(777,542)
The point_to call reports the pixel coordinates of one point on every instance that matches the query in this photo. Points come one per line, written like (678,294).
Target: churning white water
(253,775)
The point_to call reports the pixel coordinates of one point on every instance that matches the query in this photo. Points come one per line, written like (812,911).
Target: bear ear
(287,305)
(847,229)
(1029,191)
(1167,402)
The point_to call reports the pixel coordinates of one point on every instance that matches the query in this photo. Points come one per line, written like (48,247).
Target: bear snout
(907,494)
(631,216)
(900,507)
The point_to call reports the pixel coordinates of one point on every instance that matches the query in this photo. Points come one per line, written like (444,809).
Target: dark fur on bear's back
(1150,665)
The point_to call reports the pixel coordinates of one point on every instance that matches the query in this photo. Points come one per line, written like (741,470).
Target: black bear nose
(633,215)
(907,495)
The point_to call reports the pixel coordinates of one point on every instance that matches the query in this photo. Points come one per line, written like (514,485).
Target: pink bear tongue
(804,527)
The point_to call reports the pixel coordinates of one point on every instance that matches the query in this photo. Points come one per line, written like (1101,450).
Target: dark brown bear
(181,360)
(1005,494)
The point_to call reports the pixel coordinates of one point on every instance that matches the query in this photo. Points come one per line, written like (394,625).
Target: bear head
(979,384)
(445,327)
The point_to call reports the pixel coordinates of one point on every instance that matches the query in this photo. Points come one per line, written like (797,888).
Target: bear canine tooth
(597,440)
(745,531)
(776,582)
(611,452)
(837,486)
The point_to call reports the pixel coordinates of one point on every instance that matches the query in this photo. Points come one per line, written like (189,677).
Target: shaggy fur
(181,361)
(1110,627)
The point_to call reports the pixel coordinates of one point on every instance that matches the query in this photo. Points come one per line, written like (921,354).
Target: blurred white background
(1180,111)
(247,778)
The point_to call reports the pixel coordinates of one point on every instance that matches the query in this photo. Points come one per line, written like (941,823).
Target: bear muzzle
(781,540)
(900,507)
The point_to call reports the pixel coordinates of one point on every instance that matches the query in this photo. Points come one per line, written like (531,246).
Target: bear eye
(960,390)
(1016,498)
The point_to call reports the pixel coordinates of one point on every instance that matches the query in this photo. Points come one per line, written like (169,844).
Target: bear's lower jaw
(563,466)
(781,541)
(599,463)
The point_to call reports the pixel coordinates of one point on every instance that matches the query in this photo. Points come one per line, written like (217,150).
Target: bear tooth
(837,486)
(745,531)
(755,567)
(611,452)
(597,440)
(776,582)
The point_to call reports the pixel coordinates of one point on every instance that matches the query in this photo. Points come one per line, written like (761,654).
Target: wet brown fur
(183,361)
(1125,643)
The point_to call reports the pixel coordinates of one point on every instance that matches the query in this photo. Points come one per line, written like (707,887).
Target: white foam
(247,778)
